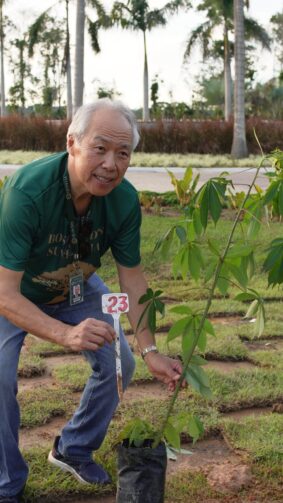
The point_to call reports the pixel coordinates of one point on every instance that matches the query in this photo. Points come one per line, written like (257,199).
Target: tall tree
(2,71)
(79,55)
(277,31)
(35,36)
(239,146)
(220,14)
(21,70)
(102,21)
(47,34)
(136,15)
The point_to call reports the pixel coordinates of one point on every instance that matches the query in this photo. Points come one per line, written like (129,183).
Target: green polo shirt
(35,230)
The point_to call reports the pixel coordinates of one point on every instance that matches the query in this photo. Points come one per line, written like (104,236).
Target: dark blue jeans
(87,428)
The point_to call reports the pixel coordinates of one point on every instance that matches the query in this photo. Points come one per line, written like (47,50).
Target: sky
(120,63)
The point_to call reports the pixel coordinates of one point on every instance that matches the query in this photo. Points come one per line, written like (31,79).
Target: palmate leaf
(154,306)
(198,379)
(273,263)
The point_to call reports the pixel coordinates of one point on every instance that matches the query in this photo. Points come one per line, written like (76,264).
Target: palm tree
(220,14)
(135,15)
(79,55)
(239,146)
(2,72)
(35,35)
(102,21)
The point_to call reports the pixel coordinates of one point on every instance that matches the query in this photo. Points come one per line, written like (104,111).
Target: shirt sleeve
(126,246)
(19,220)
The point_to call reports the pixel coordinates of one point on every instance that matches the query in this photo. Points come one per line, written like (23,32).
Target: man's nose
(109,161)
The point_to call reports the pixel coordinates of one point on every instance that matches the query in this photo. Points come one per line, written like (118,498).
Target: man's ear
(70,144)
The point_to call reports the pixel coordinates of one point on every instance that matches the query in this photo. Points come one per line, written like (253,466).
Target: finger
(103,333)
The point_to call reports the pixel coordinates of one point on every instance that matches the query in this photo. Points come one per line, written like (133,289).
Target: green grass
(40,405)
(259,386)
(147,159)
(261,437)
(30,365)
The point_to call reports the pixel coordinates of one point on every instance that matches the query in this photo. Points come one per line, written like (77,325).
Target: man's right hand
(90,334)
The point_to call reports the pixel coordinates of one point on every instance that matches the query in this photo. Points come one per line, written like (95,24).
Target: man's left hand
(165,369)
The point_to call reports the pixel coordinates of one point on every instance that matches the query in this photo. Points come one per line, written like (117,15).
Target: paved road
(157,179)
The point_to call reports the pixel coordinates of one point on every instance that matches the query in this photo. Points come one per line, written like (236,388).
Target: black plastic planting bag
(141,474)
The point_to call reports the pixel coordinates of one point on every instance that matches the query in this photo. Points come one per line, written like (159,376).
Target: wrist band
(149,349)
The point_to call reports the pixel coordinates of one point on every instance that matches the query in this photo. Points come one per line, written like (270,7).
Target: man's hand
(165,369)
(90,334)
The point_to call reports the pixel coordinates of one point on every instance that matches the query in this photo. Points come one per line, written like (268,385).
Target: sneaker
(12,499)
(86,472)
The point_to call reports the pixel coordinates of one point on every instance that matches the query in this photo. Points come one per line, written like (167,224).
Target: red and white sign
(115,304)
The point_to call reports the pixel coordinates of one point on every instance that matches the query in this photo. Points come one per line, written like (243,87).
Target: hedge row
(201,137)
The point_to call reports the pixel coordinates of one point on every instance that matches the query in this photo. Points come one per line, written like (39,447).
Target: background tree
(47,34)
(102,21)
(239,146)
(35,37)
(277,32)
(2,71)
(136,15)
(22,76)
(220,14)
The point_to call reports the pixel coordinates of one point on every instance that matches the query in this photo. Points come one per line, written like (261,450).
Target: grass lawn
(146,159)
(257,440)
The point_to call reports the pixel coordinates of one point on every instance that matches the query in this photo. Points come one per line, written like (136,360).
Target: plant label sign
(116,304)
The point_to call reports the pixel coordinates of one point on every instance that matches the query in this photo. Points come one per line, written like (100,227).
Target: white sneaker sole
(65,468)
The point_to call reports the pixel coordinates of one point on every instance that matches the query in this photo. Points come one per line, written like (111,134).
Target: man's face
(98,163)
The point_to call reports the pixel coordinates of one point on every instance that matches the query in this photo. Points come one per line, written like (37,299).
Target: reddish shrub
(201,137)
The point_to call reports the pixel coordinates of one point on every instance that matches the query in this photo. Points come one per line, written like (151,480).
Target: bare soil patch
(228,367)
(55,361)
(250,411)
(204,454)
(148,390)
(270,344)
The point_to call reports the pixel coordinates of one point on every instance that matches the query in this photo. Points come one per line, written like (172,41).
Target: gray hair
(84,114)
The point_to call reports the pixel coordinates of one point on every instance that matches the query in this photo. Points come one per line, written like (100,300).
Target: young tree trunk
(227,78)
(79,55)
(239,146)
(145,83)
(68,66)
(3,105)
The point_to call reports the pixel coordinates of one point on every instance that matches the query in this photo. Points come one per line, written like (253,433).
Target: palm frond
(201,35)
(155,18)
(35,30)
(93,28)
(254,31)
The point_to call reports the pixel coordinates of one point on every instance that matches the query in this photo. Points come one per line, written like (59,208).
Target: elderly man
(58,216)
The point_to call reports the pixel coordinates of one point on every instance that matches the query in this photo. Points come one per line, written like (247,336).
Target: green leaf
(152,318)
(194,261)
(181,310)
(215,206)
(195,428)
(280,199)
(252,309)
(187,343)
(181,233)
(202,341)
(208,327)
(198,360)
(197,222)
(245,296)
(177,328)
(260,321)
(204,205)
(147,296)
(172,435)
